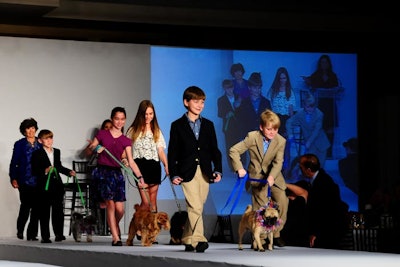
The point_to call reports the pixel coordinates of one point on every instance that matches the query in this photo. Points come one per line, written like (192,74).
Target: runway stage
(100,253)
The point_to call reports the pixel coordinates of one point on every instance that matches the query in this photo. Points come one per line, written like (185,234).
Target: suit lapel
(260,145)
(186,126)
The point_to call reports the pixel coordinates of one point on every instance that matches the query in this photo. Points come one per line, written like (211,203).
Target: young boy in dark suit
(46,165)
(194,162)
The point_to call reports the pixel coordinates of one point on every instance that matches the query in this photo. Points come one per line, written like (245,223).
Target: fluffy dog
(148,225)
(83,224)
(261,223)
(178,221)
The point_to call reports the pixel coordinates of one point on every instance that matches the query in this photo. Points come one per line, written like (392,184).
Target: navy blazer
(40,161)
(185,152)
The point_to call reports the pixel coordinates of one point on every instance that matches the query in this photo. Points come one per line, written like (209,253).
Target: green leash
(128,170)
(52,170)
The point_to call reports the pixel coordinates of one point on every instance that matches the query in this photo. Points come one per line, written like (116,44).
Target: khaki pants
(196,192)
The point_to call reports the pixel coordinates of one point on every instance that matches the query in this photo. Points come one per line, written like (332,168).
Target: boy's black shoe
(59,238)
(45,241)
(189,248)
(279,242)
(20,235)
(201,247)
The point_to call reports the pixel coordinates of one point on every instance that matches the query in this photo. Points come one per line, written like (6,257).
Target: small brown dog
(261,223)
(148,225)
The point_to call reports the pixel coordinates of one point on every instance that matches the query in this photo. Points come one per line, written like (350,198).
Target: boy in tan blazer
(266,149)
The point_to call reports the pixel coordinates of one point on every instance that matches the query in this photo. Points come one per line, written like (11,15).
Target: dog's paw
(129,243)
(89,238)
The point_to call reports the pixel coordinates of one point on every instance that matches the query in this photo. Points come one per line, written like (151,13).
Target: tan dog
(261,223)
(148,225)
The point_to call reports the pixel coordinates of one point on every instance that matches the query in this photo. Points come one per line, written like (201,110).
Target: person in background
(283,103)
(194,162)
(282,98)
(46,166)
(148,145)
(106,124)
(251,107)
(97,204)
(348,166)
(326,215)
(240,86)
(108,171)
(21,178)
(325,78)
(310,120)
(227,104)
(266,148)
(96,200)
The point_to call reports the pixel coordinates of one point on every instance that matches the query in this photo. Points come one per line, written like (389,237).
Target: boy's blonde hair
(268,117)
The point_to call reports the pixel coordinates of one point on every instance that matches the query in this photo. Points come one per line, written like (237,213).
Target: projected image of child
(227,105)
(310,120)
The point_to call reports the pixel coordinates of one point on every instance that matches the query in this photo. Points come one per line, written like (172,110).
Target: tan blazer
(260,165)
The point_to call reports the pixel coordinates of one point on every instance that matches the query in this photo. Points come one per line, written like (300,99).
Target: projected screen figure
(175,68)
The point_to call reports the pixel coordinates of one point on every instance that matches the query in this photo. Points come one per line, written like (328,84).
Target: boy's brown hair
(43,134)
(193,92)
(227,83)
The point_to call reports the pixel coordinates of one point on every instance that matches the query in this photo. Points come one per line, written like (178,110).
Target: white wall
(69,87)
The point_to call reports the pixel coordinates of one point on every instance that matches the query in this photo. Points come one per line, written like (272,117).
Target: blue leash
(238,189)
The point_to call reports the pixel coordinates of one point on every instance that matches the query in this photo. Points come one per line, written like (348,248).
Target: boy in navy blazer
(194,162)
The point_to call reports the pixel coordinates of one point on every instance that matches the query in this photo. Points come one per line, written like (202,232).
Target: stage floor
(101,253)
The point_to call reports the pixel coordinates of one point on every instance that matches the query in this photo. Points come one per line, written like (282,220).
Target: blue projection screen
(173,69)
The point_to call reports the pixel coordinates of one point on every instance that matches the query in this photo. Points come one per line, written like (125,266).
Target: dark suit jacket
(247,116)
(348,170)
(231,128)
(185,152)
(224,107)
(40,161)
(327,213)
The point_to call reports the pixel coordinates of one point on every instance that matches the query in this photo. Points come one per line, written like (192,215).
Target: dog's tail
(248,208)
